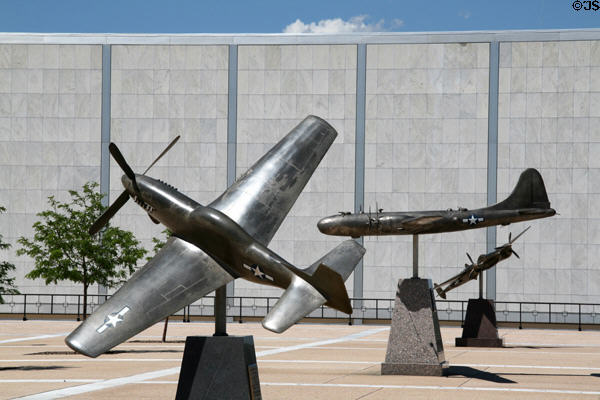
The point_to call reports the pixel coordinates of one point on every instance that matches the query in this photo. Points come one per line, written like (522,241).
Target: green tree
(158,243)
(7,285)
(63,249)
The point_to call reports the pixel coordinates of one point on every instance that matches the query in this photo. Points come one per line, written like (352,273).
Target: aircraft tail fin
(440,292)
(530,192)
(332,284)
(325,285)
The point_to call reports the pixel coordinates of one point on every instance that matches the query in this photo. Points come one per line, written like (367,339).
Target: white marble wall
(159,92)
(278,86)
(426,145)
(426,149)
(549,119)
(49,137)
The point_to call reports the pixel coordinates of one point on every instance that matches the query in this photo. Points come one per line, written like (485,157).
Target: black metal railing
(247,307)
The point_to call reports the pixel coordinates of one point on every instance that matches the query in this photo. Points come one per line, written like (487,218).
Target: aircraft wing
(178,275)
(263,196)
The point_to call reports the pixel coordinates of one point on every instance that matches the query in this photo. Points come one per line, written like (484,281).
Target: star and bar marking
(472,220)
(113,319)
(257,272)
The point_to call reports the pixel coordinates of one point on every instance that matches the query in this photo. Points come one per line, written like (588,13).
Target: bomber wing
(178,275)
(262,197)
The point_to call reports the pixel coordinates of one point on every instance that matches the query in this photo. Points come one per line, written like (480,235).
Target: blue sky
(274,16)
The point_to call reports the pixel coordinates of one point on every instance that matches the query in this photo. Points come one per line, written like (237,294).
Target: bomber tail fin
(530,192)
(325,285)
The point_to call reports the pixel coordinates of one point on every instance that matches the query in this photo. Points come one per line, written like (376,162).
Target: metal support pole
(415,256)
(481,286)
(221,312)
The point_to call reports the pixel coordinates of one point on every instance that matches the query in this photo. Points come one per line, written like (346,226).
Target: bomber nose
(327,224)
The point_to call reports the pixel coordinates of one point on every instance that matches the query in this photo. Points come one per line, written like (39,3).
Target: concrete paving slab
(310,361)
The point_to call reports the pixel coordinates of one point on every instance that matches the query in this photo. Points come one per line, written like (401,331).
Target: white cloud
(465,14)
(338,25)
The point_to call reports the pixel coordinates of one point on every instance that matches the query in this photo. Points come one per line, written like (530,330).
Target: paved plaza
(315,361)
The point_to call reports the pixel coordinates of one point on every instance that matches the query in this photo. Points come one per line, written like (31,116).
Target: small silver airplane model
(484,261)
(212,245)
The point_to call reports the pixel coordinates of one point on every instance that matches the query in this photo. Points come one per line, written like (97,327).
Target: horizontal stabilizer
(299,300)
(328,274)
(342,259)
(440,292)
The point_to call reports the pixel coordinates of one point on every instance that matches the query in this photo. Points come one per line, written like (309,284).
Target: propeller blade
(518,236)
(470,259)
(515,253)
(109,213)
(162,154)
(116,153)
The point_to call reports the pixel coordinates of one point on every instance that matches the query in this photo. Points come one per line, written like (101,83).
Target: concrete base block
(478,342)
(480,329)
(415,343)
(219,367)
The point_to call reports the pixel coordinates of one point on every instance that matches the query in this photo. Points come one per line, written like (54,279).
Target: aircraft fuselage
(213,232)
(423,222)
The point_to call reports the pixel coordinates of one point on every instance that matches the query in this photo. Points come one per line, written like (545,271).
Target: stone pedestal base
(480,328)
(414,369)
(415,343)
(219,367)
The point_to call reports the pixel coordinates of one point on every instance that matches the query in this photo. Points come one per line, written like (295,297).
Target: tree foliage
(63,249)
(7,285)
(158,243)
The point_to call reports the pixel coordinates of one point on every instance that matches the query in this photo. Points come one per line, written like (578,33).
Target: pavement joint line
(110,383)
(336,385)
(68,380)
(347,338)
(283,361)
(466,388)
(33,338)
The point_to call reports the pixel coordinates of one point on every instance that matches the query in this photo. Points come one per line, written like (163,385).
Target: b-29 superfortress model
(214,244)
(484,261)
(527,201)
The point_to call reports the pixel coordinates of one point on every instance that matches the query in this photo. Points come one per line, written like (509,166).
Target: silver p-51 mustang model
(214,244)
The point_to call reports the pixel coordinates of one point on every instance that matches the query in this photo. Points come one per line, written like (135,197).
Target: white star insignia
(472,220)
(257,272)
(113,319)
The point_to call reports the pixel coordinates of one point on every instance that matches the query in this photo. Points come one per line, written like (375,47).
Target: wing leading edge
(178,275)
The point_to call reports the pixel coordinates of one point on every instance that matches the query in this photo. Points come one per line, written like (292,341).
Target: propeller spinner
(123,197)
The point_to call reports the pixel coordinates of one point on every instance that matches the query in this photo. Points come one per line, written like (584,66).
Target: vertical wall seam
(105,125)
(232,92)
(359,154)
(492,167)
(105,132)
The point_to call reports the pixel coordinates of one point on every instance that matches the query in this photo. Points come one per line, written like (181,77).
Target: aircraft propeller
(123,197)
(511,241)
(470,259)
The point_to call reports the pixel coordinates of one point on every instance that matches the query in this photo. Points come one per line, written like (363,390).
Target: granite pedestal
(480,329)
(219,367)
(415,343)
